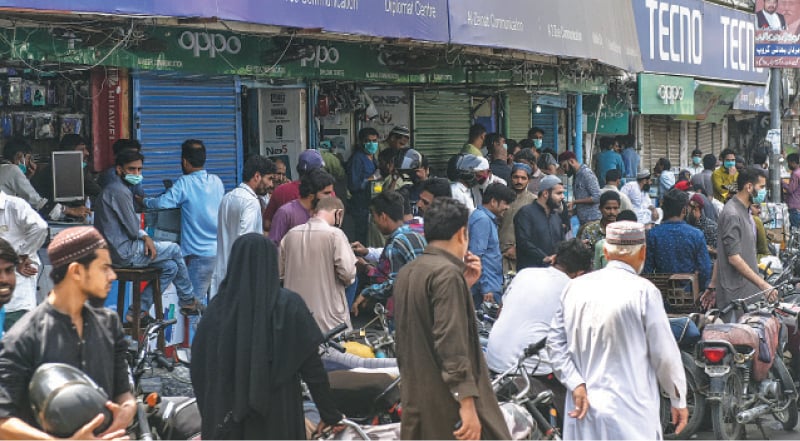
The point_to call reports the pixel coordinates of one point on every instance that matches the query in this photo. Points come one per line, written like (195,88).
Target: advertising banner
(394,109)
(666,95)
(416,19)
(753,99)
(598,30)
(697,38)
(217,52)
(283,124)
(777,41)
(712,101)
(614,116)
(110,104)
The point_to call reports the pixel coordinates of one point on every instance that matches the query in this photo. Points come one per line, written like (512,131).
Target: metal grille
(170,109)
(662,139)
(441,125)
(518,114)
(547,120)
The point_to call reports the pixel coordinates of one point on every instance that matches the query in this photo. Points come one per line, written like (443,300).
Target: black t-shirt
(45,335)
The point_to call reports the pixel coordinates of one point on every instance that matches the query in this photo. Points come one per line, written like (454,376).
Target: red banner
(110,115)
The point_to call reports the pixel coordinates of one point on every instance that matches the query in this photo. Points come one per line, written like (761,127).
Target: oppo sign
(212,43)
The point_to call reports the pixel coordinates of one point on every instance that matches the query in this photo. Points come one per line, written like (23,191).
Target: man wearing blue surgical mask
(696,166)
(130,246)
(362,171)
(735,273)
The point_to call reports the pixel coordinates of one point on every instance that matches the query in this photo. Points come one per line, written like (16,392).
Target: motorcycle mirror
(184,355)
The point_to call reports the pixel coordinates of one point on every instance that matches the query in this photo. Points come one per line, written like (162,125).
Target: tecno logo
(321,55)
(214,44)
(670,94)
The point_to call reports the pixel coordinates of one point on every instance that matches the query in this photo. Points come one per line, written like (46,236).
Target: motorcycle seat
(359,394)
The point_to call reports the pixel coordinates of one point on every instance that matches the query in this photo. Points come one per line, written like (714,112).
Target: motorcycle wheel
(723,412)
(788,417)
(695,402)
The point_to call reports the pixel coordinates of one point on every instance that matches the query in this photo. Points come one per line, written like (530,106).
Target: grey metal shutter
(169,109)
(547,120)
(441,125)
(654,144)
(705,136)
(692,140)
(518,114)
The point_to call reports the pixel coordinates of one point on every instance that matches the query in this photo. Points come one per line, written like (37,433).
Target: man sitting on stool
(131,246)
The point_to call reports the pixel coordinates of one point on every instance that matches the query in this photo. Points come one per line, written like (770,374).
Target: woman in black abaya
(252,347)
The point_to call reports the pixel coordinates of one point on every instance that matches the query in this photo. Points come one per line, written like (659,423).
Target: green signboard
(666,95)
(614,116)
(589,85)
(227,53)
(712,101)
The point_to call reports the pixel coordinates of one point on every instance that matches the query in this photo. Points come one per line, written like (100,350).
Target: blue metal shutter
(170,108)
(547,120)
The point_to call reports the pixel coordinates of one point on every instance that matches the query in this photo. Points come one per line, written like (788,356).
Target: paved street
(773,429)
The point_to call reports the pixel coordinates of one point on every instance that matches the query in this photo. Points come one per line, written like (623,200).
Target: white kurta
(239,214)
(26,231)
(612,334)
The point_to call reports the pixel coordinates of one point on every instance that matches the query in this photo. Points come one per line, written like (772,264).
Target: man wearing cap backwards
(283,194)
(585,188)
(611,345)
(64,329)
(638,192)
(520,180)
(538,227)
(736,269)
(397,139)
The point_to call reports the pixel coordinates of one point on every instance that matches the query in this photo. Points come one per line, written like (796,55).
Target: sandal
(196,308)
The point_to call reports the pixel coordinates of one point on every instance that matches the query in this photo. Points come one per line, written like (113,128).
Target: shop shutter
(706,138)
(547,120)
(441,125)
(169,109)
(654,145)
(692,138)
(518,114)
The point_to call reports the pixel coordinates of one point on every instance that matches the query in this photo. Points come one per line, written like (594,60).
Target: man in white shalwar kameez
(611,345)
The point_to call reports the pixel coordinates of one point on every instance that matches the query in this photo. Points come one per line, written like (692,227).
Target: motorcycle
(159,417)
(746,376)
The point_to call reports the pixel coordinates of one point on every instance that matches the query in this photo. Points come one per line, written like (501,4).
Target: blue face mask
(371,147)
(696,160)
(85,164)
(537,143)
(729,164)
(23,167)
(134,179)
(760,196)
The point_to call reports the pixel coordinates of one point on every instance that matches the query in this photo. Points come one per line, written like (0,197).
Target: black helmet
(64,399)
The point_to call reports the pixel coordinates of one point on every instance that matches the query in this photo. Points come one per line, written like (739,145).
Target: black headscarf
(253,338)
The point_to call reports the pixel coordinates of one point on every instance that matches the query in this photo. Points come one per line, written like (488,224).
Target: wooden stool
(136,276)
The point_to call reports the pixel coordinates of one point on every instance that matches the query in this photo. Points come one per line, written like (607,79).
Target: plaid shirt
(403,246)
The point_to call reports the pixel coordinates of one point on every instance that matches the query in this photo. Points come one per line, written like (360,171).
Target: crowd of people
(271,265)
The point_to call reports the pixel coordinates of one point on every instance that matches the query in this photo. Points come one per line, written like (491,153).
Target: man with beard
(612,352)
(736,270)
(596,230)
(638,192)
(696,218)
(528,157)
(314,186)
(585,188)
(8,278)
(538,226)
(485,243)
(520,183)
(26,231)
(198,194)
(769,18)
(676,247)
(65,329)
(240,210)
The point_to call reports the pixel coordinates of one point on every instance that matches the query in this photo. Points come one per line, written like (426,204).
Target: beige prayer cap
(625,233)
(73,244)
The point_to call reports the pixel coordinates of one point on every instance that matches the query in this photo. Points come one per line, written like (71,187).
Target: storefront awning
(712,101)
(595,30)
(421,20)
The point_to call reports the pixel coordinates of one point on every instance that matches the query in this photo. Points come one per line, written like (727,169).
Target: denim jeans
(794,217)
(173,270)
(201,270)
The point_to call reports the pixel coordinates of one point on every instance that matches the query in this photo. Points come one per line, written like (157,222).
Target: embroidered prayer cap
(73,244)
(625,233)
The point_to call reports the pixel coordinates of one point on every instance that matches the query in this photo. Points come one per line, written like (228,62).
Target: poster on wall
(337,128)
(394,109)
(776,38)
(282,127)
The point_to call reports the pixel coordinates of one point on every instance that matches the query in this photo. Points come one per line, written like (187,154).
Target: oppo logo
(212,43)
(320,55)
(670,94)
